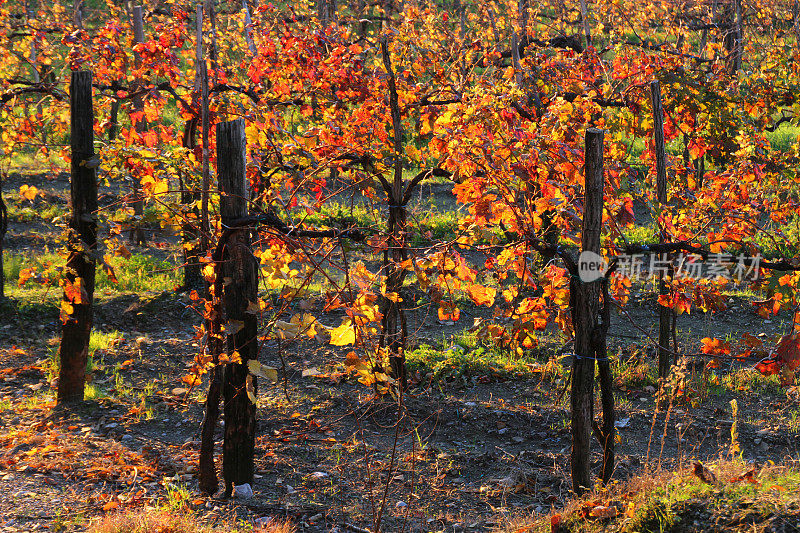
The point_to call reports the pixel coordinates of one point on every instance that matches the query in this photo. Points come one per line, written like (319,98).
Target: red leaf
(768,367)
(788,351)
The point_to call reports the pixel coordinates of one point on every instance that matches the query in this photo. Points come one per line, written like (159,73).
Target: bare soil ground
(472,450)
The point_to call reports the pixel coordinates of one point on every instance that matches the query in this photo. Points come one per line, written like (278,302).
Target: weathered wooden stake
(77,14)
(587,28)
(664,313)
(205,226)
(3,229)
(137,233)
(76,306)
(210,9)
(736,64)
(796,23)
(248,34)
(239,269)
(192,226)
(585,304)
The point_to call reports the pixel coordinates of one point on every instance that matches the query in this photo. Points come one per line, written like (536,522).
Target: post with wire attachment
(76,304)
(664,313)
(589,322)
(239,270)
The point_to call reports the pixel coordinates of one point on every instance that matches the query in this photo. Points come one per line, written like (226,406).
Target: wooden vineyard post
(205,227)
(76,305)
(796,22)
(247,31)
(192,227)
(699,171)
(3,229)
(587,29)
(207,473)
(239,269)
(586,313)
(738,45)
(664,313)
(137,234)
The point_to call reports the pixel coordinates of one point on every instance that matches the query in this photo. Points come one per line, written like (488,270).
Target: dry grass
(150,520)
(680,501)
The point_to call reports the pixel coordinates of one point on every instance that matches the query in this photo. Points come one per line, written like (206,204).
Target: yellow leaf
(393,296)
(67,307)
(28,192)
(344,334)
(161,187)
(251,391)
(208,272)
(262,371)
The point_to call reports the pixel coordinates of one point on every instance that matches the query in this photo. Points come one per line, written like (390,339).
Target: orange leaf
(715,346)
(110,506)
(191,379)
(555,523)
(448,311)
(24,275)
(28,192)
(481,295)
(749,476)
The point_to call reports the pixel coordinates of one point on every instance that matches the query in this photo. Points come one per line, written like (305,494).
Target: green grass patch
(28,161)
(48,213)
(138,273)
(465,360)
(783,138)
(38,304)
(633,372)
(98,341)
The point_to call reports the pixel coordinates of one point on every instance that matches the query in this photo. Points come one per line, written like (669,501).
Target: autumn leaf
(715,346)
(24,275)
(354,363)
(448,311)
(768,307)
(749,476)
(110,506)
(250,388)
(788,351)
(262,371)
(344,334)
(602,511)
(28,192)
(75,291)
(481,295)
(109,270)
(703,473)
(191,380)
(786,356)
(67,309)
(123,251)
